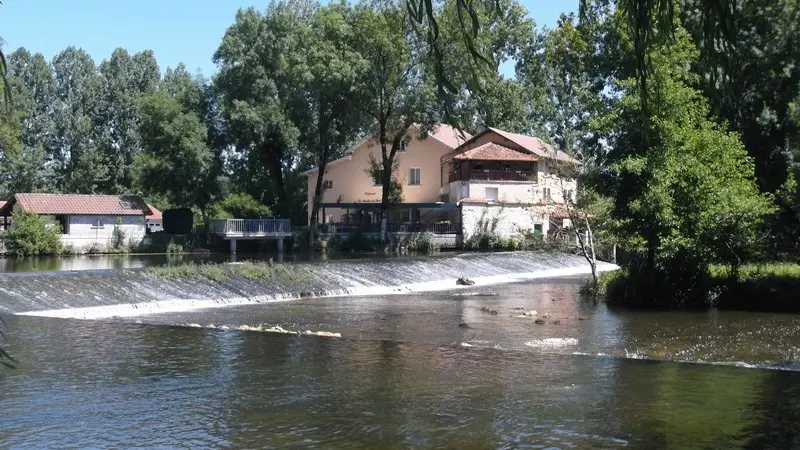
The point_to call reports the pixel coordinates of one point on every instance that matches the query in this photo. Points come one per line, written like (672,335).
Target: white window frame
(411,178)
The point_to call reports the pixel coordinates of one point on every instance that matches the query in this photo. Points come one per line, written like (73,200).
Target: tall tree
(175,148)
(396,90)
(327,69)
(686,196)
(80,162)
(253,75)
(123,79)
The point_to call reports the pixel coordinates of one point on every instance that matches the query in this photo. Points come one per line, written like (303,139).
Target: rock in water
(539,321)
(464,281)
(464,325)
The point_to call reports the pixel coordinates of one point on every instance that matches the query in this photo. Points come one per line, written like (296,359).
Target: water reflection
(110,384)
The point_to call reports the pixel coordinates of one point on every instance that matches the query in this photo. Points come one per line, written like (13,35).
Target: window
(124,204)
(491,194)
(414,177)
(327,184)
(402,146)
(376,177)
(546,194)
(568,196)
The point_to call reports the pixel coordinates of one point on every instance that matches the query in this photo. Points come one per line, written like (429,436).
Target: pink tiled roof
(493,151)
(448,135)
(156,213)
(535,145)
(80,204)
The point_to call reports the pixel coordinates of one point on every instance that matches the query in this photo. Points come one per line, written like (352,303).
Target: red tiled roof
(535,145)
(156,213)
(493,151)
(79,204)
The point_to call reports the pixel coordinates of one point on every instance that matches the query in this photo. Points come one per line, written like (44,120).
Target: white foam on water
(552,342)
(182,305)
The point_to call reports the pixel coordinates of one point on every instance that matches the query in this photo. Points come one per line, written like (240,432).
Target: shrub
(32,235)
(484,241)
(423,243)
(178,221)
(68,250)
(118,237)
(359,242)
(213,272)
(174,248)
(240,206)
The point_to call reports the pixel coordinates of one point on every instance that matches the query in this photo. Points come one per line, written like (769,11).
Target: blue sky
(176,30)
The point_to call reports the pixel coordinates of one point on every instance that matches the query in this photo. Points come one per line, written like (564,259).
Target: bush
(118,238)
(178,221)
(174,248)
(359,242)
(240,206)
(423,243)
(32,235)
(484,241)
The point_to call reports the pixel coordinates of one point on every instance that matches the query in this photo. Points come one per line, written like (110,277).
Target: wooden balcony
(494,175)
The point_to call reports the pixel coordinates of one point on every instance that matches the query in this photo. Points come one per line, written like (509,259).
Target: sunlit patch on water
(552,342)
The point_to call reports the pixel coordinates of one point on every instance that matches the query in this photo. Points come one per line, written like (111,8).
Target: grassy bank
(224,272)
(757,287)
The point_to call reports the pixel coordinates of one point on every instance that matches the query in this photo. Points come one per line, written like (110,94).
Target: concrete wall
(352,184)
(508,191)
(512,220)
(85,231)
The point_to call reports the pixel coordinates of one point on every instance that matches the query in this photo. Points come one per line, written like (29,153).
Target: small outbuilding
(86,220)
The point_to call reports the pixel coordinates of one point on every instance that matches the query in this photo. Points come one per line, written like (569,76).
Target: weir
(136,292)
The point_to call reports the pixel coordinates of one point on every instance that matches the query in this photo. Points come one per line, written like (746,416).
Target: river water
(454,369)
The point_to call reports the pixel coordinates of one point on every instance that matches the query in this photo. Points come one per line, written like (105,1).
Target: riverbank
(773,287)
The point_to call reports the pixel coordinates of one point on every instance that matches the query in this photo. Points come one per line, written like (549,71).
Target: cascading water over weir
(129,293)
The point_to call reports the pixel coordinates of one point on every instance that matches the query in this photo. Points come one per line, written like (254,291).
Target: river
(451,369)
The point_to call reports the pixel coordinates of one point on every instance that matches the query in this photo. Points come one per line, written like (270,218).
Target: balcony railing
(494,175)
(435,228)
(251,227)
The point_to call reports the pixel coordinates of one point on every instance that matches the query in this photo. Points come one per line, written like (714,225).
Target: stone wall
(511,219)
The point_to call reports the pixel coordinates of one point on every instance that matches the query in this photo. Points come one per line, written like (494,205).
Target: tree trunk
(275,167)
(322,162)
(386,182)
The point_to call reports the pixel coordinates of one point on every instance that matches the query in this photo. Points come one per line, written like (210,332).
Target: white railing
(251,227)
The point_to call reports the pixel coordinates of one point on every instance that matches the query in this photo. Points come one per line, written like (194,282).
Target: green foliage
(174,248)
(118,237)
(684,188)
(221,273)
(175,148)
(358,242)
(240,206)
(178,221)
(32,235)
(423,243)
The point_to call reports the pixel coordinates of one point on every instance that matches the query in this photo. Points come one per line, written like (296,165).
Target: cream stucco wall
(352,184)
